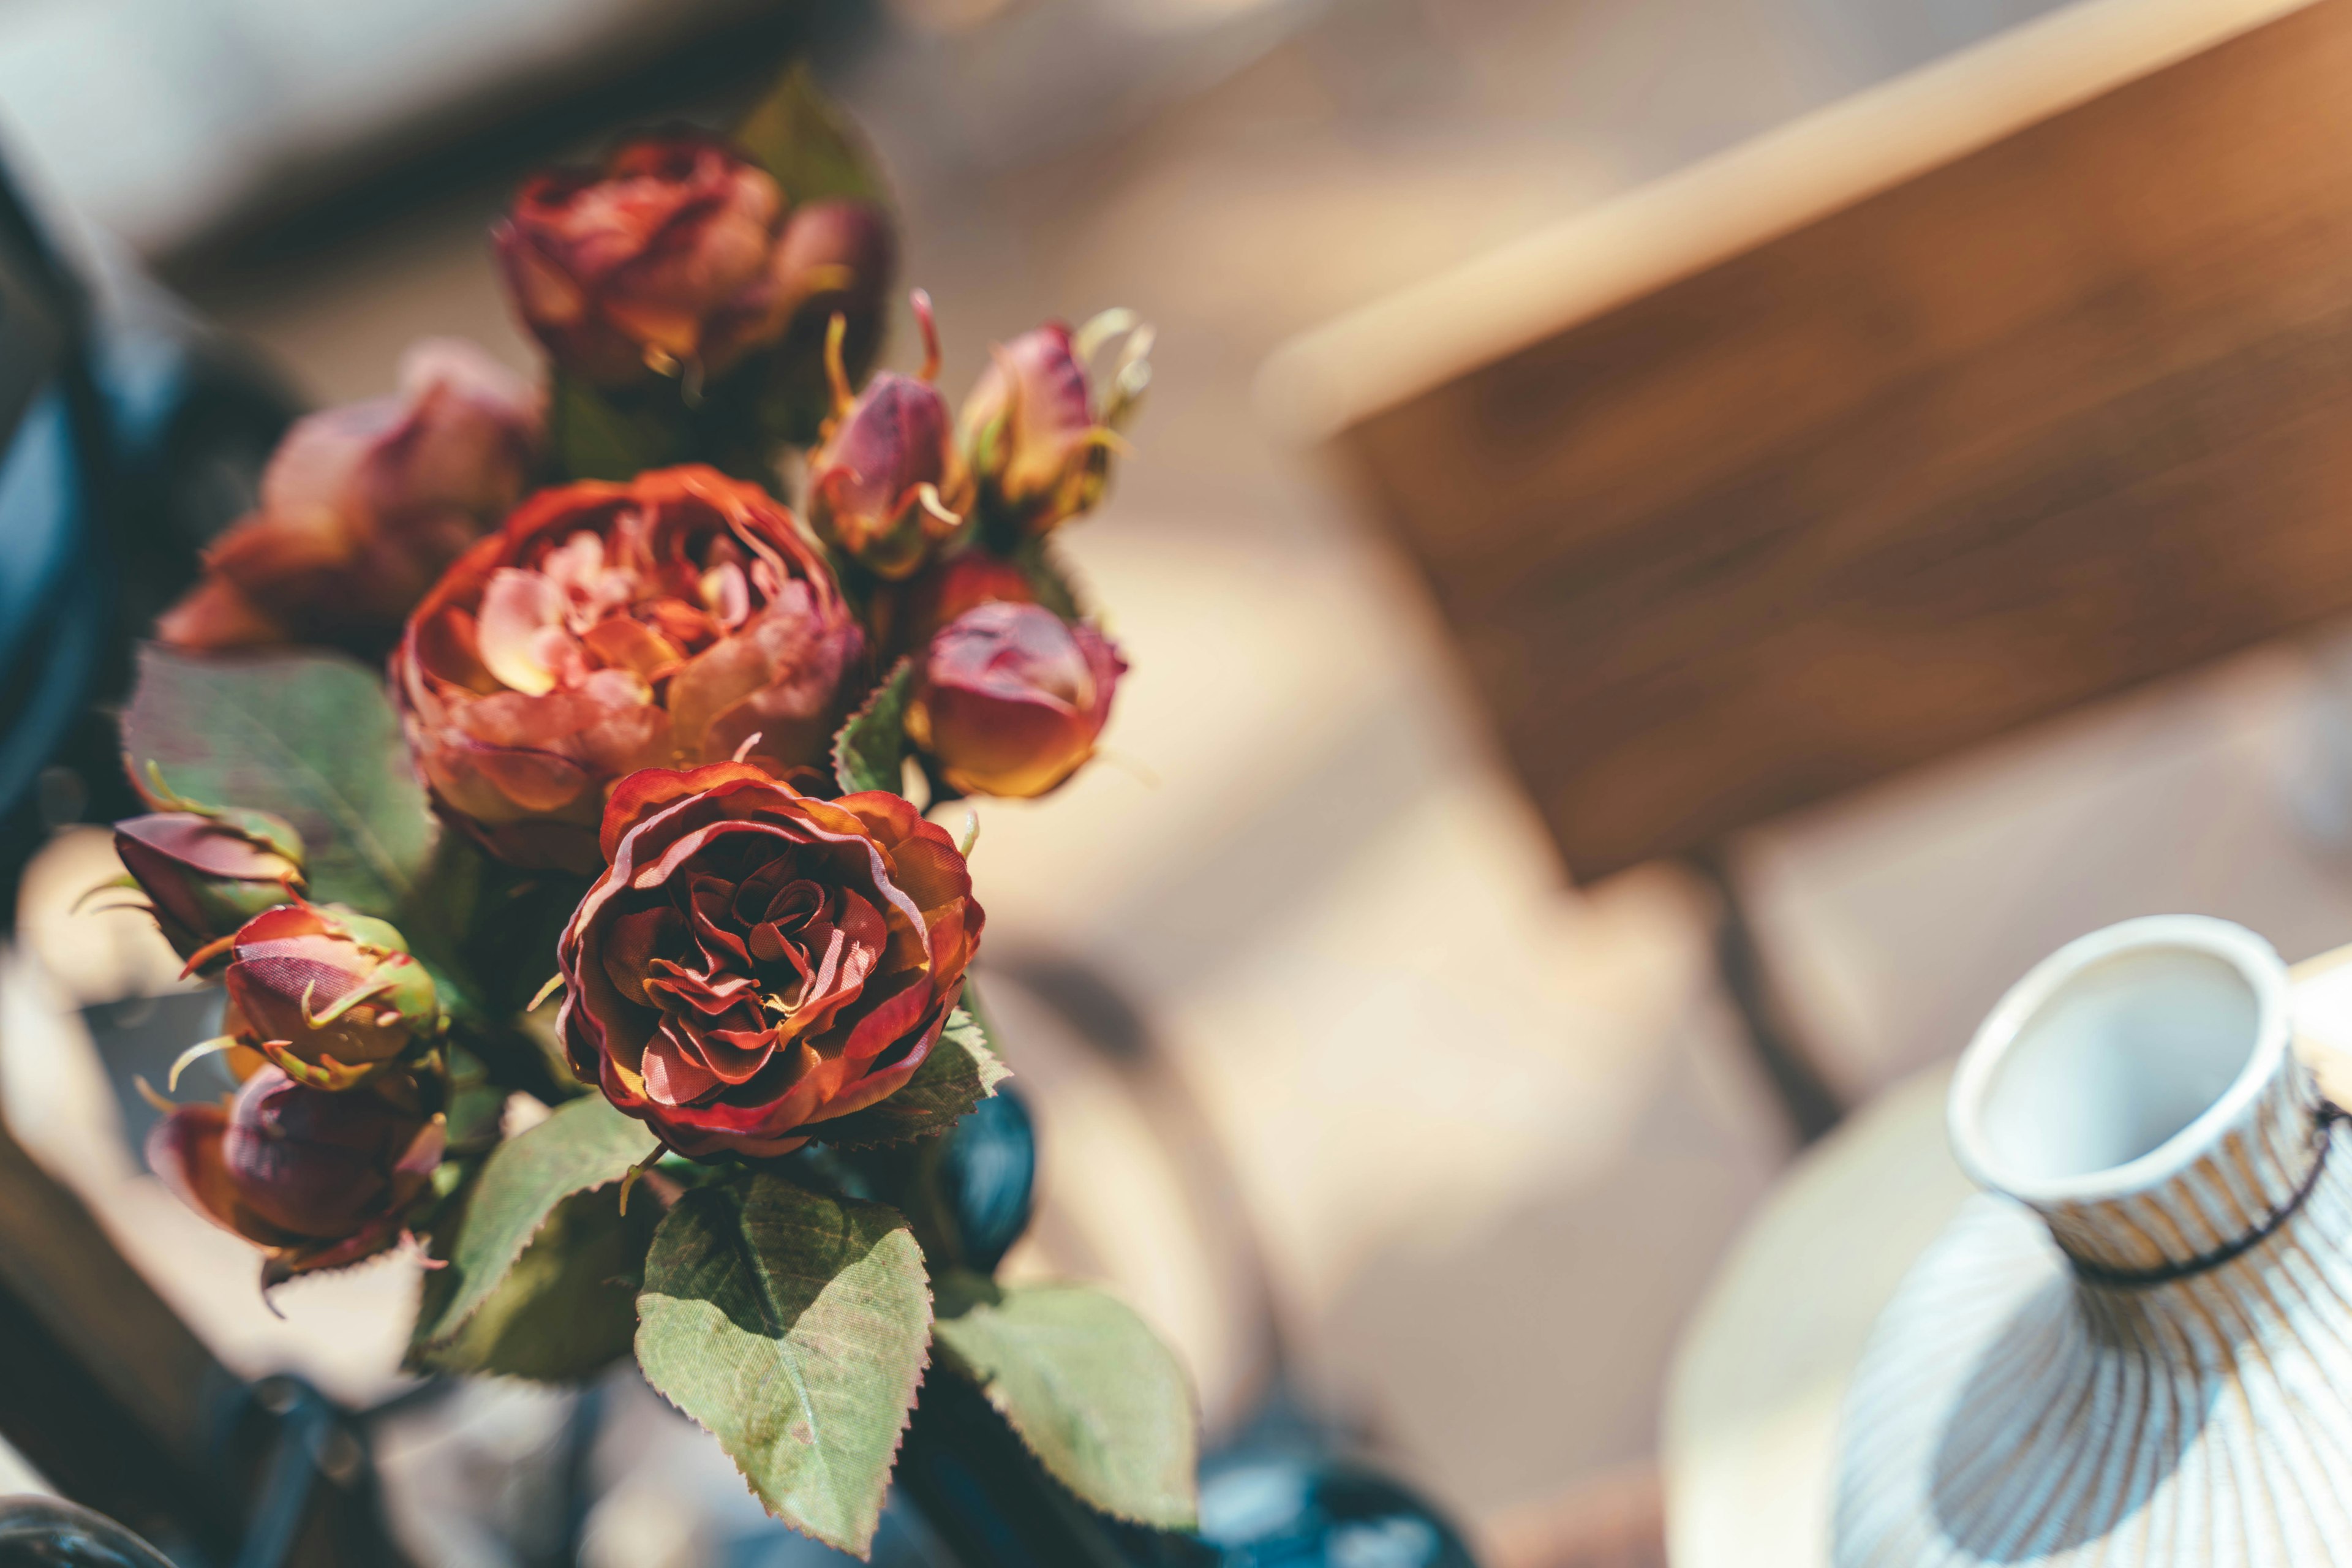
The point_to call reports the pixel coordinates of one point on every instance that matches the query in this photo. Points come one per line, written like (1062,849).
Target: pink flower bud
(1037,438)
(207,872)
(327,994)
(316,1179)
(885,487)
(1009,699)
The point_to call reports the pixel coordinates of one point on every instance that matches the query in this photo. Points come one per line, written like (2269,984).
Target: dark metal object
(45,1533)
(128,436)
(988,1175)
(1805,1093)
(1310,1511)
(992,1505)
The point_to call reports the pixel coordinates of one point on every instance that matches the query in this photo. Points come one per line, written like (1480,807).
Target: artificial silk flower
(885,485)
(755,962)
(363,506)
(680,617)
(1008,698)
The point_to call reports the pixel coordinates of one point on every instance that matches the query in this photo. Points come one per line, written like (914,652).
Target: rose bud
(664,262)
(1009,699)
(755,962)
(836,259)
(677,619)
(1038,444)
(885,485)
(317,1180)
(908,615)
(364,506)
(206,872)
(326,994)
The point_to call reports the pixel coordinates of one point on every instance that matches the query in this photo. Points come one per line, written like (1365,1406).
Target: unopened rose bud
(885,487)
(1009,699)
(316,1179)
(326,994)
(206,872)
(1035,435)
(661,263)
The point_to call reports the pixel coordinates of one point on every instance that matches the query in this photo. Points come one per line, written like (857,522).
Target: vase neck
(2247,1183)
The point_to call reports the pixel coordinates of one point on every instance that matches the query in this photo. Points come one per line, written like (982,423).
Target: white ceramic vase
(2135,1347)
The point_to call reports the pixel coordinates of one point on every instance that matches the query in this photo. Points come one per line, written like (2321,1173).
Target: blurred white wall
(155,117)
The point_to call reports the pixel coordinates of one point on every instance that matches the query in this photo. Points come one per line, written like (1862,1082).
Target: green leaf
(960,1073)
(1087,1384)
(814,150)
(310,736)
(870,751)
(567,1309)
(583,1144)
(600,435)
(792,1326)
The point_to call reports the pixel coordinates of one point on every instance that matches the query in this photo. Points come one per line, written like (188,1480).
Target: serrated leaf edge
(863,1553)
(1002,1404)
(901,671)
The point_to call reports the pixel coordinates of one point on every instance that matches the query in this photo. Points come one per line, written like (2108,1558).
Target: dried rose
(662,262)
(908,614)
(326,994)
(206,872)
(755,962)
(885,485)
(315,1179)
(679,618)
(1009,699)
(1037,443)
(364,506)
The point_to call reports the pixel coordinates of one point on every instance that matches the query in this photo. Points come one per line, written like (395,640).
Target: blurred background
(1470,1135)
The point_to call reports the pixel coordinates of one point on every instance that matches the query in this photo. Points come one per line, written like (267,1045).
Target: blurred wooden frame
(2003,386)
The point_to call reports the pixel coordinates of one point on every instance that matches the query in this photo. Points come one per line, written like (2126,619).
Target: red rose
(885,485)
(316,1179)
(364,506)
(666,259)
(755,962)
(674,619)
(1009,699)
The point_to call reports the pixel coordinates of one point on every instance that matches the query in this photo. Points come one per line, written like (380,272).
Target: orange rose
(677,619)
(755,963)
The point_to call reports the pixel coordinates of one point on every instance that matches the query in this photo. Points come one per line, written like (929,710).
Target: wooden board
(2024,381)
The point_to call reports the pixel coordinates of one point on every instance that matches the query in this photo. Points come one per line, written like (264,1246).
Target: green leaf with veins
(794,1326)
(583,1144)
(564,1311)
(308,735)
(960,1073)
(1092,1391)
(869,752)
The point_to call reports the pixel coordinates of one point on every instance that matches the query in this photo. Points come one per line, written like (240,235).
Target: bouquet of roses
(589,931)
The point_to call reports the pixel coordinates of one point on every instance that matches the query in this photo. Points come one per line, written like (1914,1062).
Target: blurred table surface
(1752,1404)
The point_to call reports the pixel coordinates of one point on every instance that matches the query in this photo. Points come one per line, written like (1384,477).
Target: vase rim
(2254,961)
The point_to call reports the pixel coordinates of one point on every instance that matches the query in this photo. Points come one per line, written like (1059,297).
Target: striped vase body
(2123,1361)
